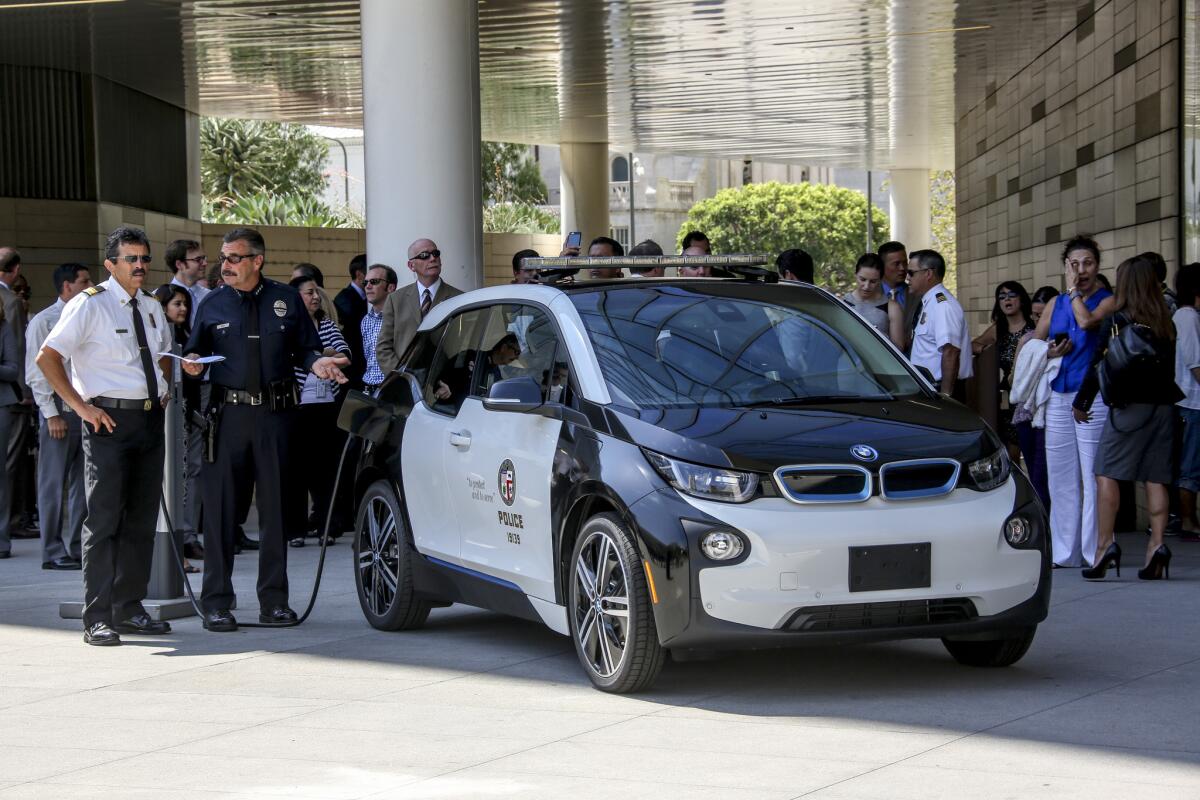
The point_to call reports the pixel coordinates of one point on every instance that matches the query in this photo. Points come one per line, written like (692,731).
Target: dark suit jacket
(401,316)
(351,309)
(14,314)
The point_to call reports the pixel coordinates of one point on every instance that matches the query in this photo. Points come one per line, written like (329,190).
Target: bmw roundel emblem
(864,452)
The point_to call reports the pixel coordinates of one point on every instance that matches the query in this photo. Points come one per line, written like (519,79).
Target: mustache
(138,272)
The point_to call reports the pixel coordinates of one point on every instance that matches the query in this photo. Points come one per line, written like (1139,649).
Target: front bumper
(799,559)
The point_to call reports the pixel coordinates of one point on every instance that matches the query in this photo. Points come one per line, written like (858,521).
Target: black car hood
(761,440)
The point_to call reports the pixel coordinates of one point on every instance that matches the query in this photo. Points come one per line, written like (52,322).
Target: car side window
(449,378)
(521,341)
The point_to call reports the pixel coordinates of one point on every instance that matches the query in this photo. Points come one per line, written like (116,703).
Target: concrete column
(910,208)
(421,133)
(584,180)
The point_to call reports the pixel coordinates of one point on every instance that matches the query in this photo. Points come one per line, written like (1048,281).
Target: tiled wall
(1082,140)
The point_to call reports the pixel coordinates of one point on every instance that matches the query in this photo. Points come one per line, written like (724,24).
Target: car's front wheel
(382,563)
(1000,652)
(612,623)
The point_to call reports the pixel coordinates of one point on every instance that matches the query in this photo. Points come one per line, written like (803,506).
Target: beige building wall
(329,248)
(1084,139)
(499,249)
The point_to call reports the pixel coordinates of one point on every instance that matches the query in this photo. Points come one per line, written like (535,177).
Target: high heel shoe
(1111,557)
(1159,566)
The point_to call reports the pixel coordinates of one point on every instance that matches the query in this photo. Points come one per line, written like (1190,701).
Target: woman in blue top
(1071,322)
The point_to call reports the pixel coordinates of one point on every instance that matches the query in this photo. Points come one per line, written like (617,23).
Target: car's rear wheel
(1000,652)
(612,623)
(382,563)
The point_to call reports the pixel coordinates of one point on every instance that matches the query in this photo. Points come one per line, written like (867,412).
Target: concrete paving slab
(484,706)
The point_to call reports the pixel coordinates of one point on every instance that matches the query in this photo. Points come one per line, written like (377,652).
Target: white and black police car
(655,464)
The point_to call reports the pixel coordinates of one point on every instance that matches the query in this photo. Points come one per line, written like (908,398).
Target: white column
(910,208)
(584,180)
(420,64)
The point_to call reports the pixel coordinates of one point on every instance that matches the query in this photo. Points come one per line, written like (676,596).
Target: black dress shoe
(5,554)
(246,543)
(142,625)
(279,614)
(62,563)
(99,634)
(220,622)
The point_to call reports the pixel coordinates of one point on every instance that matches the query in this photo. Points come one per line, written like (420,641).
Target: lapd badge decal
(506,480)
(280,308)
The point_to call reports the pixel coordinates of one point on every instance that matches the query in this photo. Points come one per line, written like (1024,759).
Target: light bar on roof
(586,262)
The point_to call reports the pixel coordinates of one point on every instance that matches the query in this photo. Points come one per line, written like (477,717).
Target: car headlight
(990,471)
(709,483)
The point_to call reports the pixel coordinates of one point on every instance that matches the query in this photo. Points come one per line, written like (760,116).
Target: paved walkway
(1106,705)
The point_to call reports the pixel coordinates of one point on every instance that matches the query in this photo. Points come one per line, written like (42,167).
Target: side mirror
(520,396)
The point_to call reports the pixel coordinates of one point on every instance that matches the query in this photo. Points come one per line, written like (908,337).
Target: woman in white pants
(1071,323)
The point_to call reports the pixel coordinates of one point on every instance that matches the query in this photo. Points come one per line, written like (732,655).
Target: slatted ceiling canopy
(873,83)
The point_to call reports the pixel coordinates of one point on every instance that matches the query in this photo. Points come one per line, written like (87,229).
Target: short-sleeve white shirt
(941,322)
(96,333)
(1187,355)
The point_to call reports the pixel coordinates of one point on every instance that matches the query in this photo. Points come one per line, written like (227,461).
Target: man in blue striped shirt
(381,281)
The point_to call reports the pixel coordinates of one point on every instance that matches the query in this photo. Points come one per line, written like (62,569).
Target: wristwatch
(1076,294)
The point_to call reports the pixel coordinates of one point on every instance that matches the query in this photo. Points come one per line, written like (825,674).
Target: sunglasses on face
(1008,296)
(133,259)
(375,281)
(913,272)
(425,255)
(234,258)
(198,259)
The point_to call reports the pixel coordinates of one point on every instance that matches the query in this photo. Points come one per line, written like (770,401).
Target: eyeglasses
(234,258)
(912,272)
(375,281)
(198,259)
(1007,296)
(132,259)
(425,255)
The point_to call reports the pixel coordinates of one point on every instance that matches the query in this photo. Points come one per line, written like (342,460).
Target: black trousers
(123,477)
(254,452)
(319,445)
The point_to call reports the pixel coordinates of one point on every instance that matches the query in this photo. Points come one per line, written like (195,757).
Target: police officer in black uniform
(263,331)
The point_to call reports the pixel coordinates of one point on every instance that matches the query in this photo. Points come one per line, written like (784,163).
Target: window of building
(621,234)
(620,169)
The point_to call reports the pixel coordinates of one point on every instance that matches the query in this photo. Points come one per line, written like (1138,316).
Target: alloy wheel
(600,591)
(378,556)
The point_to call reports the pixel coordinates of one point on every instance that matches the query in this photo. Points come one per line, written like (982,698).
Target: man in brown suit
(406,307)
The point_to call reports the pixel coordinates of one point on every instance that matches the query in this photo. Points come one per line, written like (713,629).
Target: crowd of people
(1092,382)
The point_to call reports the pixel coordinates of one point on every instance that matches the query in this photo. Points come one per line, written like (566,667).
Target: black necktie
(253,346)
(139,329)
(426,304)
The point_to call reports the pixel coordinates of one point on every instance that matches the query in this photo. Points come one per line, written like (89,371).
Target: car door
(430,434)
(501,483)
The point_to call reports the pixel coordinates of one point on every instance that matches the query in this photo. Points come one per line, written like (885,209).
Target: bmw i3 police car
(656,464)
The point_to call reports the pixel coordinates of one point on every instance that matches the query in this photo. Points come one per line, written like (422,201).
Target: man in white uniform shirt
(60,436)
(112,334)
(941,342)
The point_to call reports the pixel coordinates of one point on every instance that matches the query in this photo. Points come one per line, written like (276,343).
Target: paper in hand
(201,360)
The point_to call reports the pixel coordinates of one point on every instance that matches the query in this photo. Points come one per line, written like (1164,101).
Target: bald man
(405,308)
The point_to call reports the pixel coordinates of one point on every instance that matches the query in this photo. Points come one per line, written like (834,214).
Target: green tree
(943,218)
(828,222)
(240,158)
(510,175)
(519,218)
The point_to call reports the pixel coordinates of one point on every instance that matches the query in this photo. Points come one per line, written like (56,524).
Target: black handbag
(1129,360)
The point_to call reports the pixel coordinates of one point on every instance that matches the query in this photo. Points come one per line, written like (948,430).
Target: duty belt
(239,397)
(124,404)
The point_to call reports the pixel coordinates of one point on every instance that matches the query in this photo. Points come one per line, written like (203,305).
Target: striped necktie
(426,303)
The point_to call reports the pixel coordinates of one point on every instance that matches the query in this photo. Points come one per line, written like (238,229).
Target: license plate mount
(879,568)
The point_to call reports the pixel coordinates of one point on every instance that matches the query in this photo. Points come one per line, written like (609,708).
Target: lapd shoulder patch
(941,298)
(92,291)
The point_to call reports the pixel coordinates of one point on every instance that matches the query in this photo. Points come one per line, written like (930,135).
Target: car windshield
(735,345)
